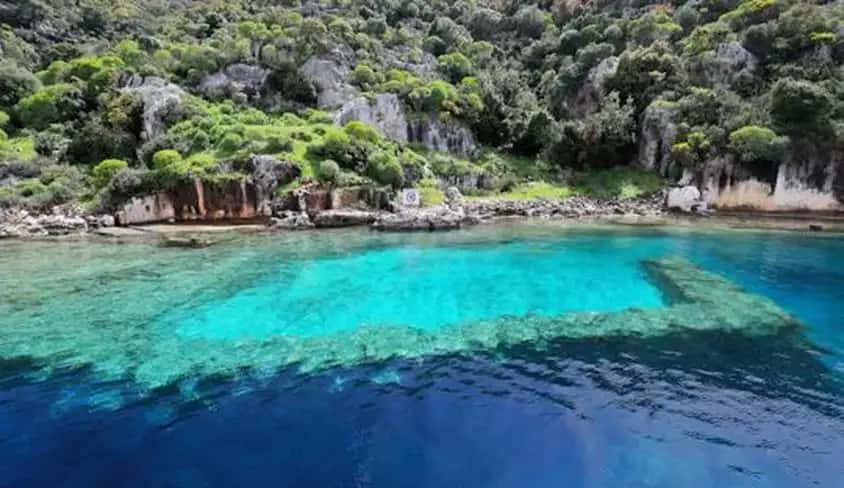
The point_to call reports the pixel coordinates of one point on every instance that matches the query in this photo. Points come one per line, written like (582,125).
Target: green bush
(758,145)
(165,158)
(231,142)
(54,103)
(4,119)
(455,66)
(16,83)
(386,169)
(361,132)
(105,171)
(328,171)
(801,104)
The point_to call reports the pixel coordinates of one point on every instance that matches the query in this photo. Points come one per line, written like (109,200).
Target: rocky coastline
(386,215)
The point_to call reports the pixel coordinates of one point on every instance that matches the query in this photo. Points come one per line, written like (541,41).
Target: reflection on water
(690,408)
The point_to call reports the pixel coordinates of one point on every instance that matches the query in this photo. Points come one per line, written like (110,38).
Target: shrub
(105,171)
(165,158)
(55,103)
(4,119)
(758,145)
(386,169)
(800,104)
(455,66)
(365,77)
(16,83)
(328,171)
(361,132)
(231,142)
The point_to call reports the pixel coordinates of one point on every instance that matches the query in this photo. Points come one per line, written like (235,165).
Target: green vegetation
(548,89)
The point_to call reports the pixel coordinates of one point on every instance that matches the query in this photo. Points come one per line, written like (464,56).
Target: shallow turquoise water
(87,328)
(427,287)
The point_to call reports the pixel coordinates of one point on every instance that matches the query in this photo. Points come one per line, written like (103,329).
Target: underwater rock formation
(152,358)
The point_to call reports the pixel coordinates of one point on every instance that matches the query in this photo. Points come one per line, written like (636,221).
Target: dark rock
(236,80)
(343,218)
(186,242)
(267,174)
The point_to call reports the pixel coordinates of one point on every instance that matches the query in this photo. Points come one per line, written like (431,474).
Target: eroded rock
(384,112)
(162,103)
(343,218)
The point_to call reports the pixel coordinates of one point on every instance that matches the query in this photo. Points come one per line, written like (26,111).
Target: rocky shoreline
(455,213)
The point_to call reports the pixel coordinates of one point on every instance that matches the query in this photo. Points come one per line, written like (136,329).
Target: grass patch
(431,196)
(535,190)
(622,181)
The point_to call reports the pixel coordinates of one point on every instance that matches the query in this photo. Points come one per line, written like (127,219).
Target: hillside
(104,100)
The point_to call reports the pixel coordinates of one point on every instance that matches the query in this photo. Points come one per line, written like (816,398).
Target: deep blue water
(689,410)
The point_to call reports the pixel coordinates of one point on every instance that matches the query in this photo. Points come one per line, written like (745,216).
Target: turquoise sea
(513,355)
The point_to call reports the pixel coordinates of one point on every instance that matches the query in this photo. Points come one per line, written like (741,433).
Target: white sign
(410,198)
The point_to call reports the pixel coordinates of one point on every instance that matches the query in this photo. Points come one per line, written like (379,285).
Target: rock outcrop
(242,82)
(588,98)
(23,224)
(732,61)
(657,133)
(343,218)
(426,219)
(266,174)
(384,112)
(290,220)
(329,74)
(162,103)
(685,199)
(439,135)
(809,179)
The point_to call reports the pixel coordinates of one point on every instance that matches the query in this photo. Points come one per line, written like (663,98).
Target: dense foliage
(549,88)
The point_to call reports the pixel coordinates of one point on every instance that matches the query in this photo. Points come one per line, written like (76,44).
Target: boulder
(429,219)
(290,220)
(384,112)
(161,100)
(343,218)
(453,197)
(685,199)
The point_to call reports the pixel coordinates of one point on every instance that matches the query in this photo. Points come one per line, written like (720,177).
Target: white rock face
(656,136)
(385,113)
(329,77)
(442,136)
(161,99)
(686,199)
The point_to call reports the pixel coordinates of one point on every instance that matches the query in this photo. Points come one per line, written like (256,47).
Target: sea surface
(128,364)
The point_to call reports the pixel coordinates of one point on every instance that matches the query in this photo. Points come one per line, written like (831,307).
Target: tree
(758,145)
(16,83)
(800,105)
(105,171)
